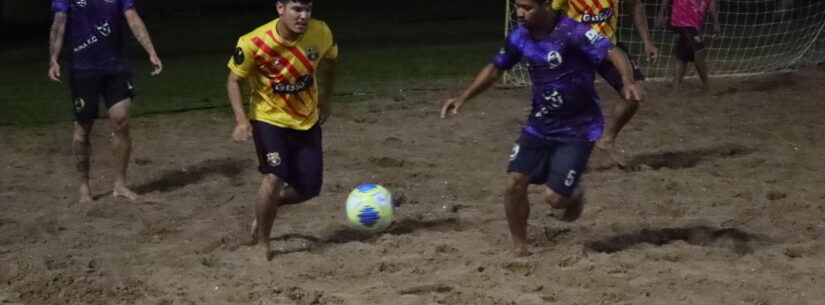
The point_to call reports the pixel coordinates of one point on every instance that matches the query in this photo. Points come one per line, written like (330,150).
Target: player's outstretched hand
(633,92)
(157,63)
(450,107)
(54,71)
(242,132)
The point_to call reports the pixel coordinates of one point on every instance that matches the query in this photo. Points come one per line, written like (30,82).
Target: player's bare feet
(258,254)
(85,193)
(616,154)
(263,250)
(574,211)
(121,191)
(574,208)
(519,251)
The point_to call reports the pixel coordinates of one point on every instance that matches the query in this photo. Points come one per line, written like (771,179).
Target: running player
(565,120)
(280,60)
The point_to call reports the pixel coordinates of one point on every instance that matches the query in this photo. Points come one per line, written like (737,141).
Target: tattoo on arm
(56,35)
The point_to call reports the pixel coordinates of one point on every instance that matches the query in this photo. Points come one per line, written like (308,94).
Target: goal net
(758,36)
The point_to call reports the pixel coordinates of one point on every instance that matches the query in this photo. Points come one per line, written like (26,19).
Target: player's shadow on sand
(679,159)
(736,240)
(344,234)
(178,178)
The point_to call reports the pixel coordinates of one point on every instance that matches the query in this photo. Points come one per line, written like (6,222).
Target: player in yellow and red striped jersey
(602,15)
(280,60)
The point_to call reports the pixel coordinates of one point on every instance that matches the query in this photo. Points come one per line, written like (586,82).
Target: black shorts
(295,156)
(610,74)
(558,165)
(688,42)
(89,87)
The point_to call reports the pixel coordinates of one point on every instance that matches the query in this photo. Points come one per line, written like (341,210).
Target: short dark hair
(285,2)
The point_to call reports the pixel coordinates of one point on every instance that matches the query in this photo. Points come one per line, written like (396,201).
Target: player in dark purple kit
(565,120)
(99,70)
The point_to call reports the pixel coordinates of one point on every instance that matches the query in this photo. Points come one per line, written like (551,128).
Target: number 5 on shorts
(571,177)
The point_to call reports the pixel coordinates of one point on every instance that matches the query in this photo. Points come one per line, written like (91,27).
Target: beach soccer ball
(369,207)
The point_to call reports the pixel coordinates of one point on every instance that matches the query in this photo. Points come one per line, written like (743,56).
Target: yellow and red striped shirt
(281,74)
(601,15)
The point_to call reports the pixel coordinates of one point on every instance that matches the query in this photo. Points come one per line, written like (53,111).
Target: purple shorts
(295,156)
(610,74)
(89,87)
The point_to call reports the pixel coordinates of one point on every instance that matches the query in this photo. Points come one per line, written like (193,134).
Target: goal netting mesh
(758,36)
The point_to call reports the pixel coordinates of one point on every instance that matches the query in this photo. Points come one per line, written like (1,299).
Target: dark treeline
(27,21)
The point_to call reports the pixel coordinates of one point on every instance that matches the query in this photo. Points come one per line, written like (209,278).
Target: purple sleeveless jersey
(94,33)
(561,66)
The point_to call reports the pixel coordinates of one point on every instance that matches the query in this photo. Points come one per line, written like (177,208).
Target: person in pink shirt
(687,20)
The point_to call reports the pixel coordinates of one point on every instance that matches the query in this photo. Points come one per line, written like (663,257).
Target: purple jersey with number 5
(93,33)
(561,66)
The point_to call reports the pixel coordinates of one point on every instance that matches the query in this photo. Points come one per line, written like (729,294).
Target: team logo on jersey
(81,3)
(514,152)
(273,159)
(303,83)
(79,104)
(593,36)
(238,57)
(312,53)
(553,97)
(604,15)
(103,27)
(554,59)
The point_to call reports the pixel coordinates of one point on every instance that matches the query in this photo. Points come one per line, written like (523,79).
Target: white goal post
(758,36)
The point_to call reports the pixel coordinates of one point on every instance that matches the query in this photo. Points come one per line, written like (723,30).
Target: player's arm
(483,80)
(142,36)
(631,90)
(660,17)
(640,21)
(714,12)
(243,129)
(56,35)
(326,75)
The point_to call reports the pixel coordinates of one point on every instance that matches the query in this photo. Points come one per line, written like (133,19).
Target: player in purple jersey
(98,70)
(565,120)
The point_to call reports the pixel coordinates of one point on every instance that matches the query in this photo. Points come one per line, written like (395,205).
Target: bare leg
(288,196)
(678,75)
(121,148)
(517,209)
(701,68)
(82,150)
(266,208)
(622,112)
(573,205)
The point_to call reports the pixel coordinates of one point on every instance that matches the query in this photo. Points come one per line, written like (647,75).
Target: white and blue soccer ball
(369,207)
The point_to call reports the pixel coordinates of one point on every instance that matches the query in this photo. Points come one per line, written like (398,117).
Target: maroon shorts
(688,42)
(295,156)
(610,74)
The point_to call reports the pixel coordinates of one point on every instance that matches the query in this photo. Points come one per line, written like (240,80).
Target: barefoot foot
(124,192)
(85,194)
(519,252)
(615,153)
